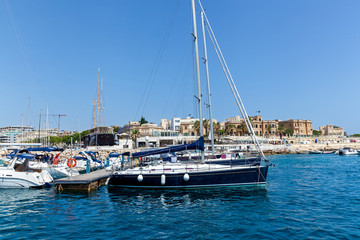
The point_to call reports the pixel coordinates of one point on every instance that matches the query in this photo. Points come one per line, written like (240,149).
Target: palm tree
(268,129)
(221,132)
(216,129)
(197,127)
(134,136)
(281,131)
(206,124)
(229,129)
(243,128)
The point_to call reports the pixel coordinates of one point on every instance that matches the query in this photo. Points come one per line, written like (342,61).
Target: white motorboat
(22,176)
(320,152)
(348,151)
(47,161)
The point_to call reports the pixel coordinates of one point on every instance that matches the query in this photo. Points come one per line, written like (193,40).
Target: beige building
(299,127)
(146,129)
(235,126)
(331,130)
(187,126)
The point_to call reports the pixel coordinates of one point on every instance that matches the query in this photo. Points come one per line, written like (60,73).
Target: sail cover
(44,149)
(197,145)
(115,154)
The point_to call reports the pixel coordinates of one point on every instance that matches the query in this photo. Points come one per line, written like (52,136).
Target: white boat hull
(11,179)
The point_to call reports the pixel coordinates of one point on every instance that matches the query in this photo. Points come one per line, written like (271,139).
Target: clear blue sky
(290,59)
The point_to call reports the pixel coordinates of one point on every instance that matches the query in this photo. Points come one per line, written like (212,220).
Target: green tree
(280,130)
(143,121)
(268,129)
(317,133)
(243,128)
(229,129)
(116,129)
(135,134)
(289,132)
(197,128)
(221,132)
(216,128)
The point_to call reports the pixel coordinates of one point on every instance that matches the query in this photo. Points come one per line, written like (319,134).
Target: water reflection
(184,197)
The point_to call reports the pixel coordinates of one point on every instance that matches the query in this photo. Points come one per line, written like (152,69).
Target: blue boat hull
(232,177)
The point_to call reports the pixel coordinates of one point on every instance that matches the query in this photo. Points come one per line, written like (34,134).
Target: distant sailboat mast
(101,104)
(97,106)
(93,123)
(199,97)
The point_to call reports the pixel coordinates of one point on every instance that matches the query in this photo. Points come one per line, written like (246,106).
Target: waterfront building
(12,134)
(235,126)
(299,127)
(165,124)
(331,130)
(148,129)
(187,127)
(175,124)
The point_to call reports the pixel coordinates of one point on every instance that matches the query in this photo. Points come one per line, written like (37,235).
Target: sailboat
(193,174)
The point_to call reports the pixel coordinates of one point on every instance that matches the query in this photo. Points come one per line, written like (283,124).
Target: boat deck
(84,182)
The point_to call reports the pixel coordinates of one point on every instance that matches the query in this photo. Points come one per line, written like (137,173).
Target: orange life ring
(74,162)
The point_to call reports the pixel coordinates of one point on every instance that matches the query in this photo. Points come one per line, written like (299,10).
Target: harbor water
(309,197)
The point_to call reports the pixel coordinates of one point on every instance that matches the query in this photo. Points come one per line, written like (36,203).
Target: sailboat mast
(47,126)
(27,121)
(97,106)
(22,128)
(198,75)
(93,123)
(101,105)
(40,126)
(208,83)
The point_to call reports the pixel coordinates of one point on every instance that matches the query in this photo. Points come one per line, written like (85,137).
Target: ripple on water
(313,197)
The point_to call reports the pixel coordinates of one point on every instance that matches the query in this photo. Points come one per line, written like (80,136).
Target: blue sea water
(309,197)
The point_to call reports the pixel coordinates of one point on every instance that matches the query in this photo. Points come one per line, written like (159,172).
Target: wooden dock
(83,182)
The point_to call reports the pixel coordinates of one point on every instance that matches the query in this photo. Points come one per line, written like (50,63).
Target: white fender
(186,177)
(163,179)
(140,178)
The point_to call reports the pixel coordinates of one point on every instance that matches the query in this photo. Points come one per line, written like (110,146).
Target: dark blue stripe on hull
(247,176)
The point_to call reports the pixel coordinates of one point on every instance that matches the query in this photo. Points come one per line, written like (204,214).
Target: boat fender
(140,178)
(107,181)
(163,179)
(74,162)
(186,177)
